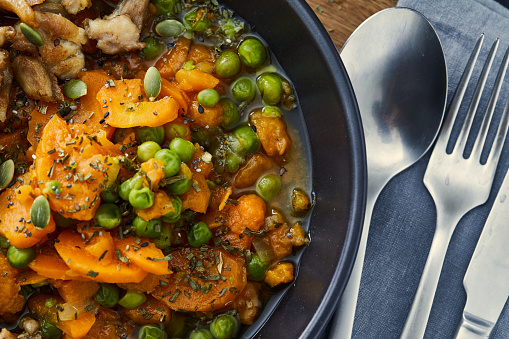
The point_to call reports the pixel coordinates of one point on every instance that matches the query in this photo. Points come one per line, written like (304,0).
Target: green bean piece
(107,295)
(167,7)
(170,28)
(196,20)
(199,234)
(201,334)
(152,83)
(268,187)
(20,257)
(147,150)
(174,214)
(151,332)
(135,182)
(108,216)
(31,34)
(252,52)
(141,198)
(75,89)
(245,140)
(184,149)
(40,212)
(243,89)
(224,327)
(4,242)
(147,229)
(231,113)
(153,49)
(49,330)
(132,299)
(146,133)
(256,268)
(6,173)
(171,161)
(208,97)
(270,86)
(227,64)
(173,130)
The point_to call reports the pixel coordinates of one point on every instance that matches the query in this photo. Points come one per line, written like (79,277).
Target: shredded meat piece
(7,335)
(35,79)
(75,6)
(6,33)
(137,10)
(20,42)
(114,35)
(5,83)
(22,9)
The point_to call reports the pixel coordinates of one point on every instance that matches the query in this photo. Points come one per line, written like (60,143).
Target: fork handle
(417,320)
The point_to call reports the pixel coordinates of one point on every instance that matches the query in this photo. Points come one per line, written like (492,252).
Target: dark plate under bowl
(329,110)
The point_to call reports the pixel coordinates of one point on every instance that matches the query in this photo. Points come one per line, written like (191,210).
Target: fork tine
(472,108)
(481,138)
(455,104)
(499,140)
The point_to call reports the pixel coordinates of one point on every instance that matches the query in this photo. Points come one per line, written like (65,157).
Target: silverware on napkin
(487,279)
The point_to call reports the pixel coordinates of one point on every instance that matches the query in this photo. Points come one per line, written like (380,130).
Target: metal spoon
(397,68)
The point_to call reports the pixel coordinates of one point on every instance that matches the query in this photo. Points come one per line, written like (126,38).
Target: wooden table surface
(341,17)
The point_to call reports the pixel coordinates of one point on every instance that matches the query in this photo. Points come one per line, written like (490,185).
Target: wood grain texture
(341,17)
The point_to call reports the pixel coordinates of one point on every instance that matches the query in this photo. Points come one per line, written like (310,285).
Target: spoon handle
(342,323)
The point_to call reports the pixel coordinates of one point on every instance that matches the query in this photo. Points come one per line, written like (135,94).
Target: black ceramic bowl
(329,110)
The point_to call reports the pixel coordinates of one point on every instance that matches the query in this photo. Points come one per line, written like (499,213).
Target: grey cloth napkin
(404,218)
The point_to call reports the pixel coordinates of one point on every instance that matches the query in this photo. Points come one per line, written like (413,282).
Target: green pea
(132,300)
(107,295)
(224,327)
(243,89)
(49,331)
(62,221)
(4,242)
(50,302)
(227,64)
(147,150)
(180,187)
(146,133)
(6,173)
(201,334)
(170,28)
(174,214)
(173,130)
(256,268)
(147,229)
(268,187)
(109,195)
(152,83)
(135,182)
(164,240)
(151,332)
(20,257)
(196,20)
(167,6)
(208,97)
(272,112)
(31,34)
(271,87)
(141,198)
(231,113)
(108,216)
(153,49)
(199,234)
(233,162)
(40,212)
(75,89)
(252,52)
(184,149)
(245,140)
(171,161)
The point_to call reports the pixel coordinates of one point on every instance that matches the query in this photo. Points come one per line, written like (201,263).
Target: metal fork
(457,184)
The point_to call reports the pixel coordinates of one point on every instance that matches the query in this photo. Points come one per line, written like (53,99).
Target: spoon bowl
(397,69)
